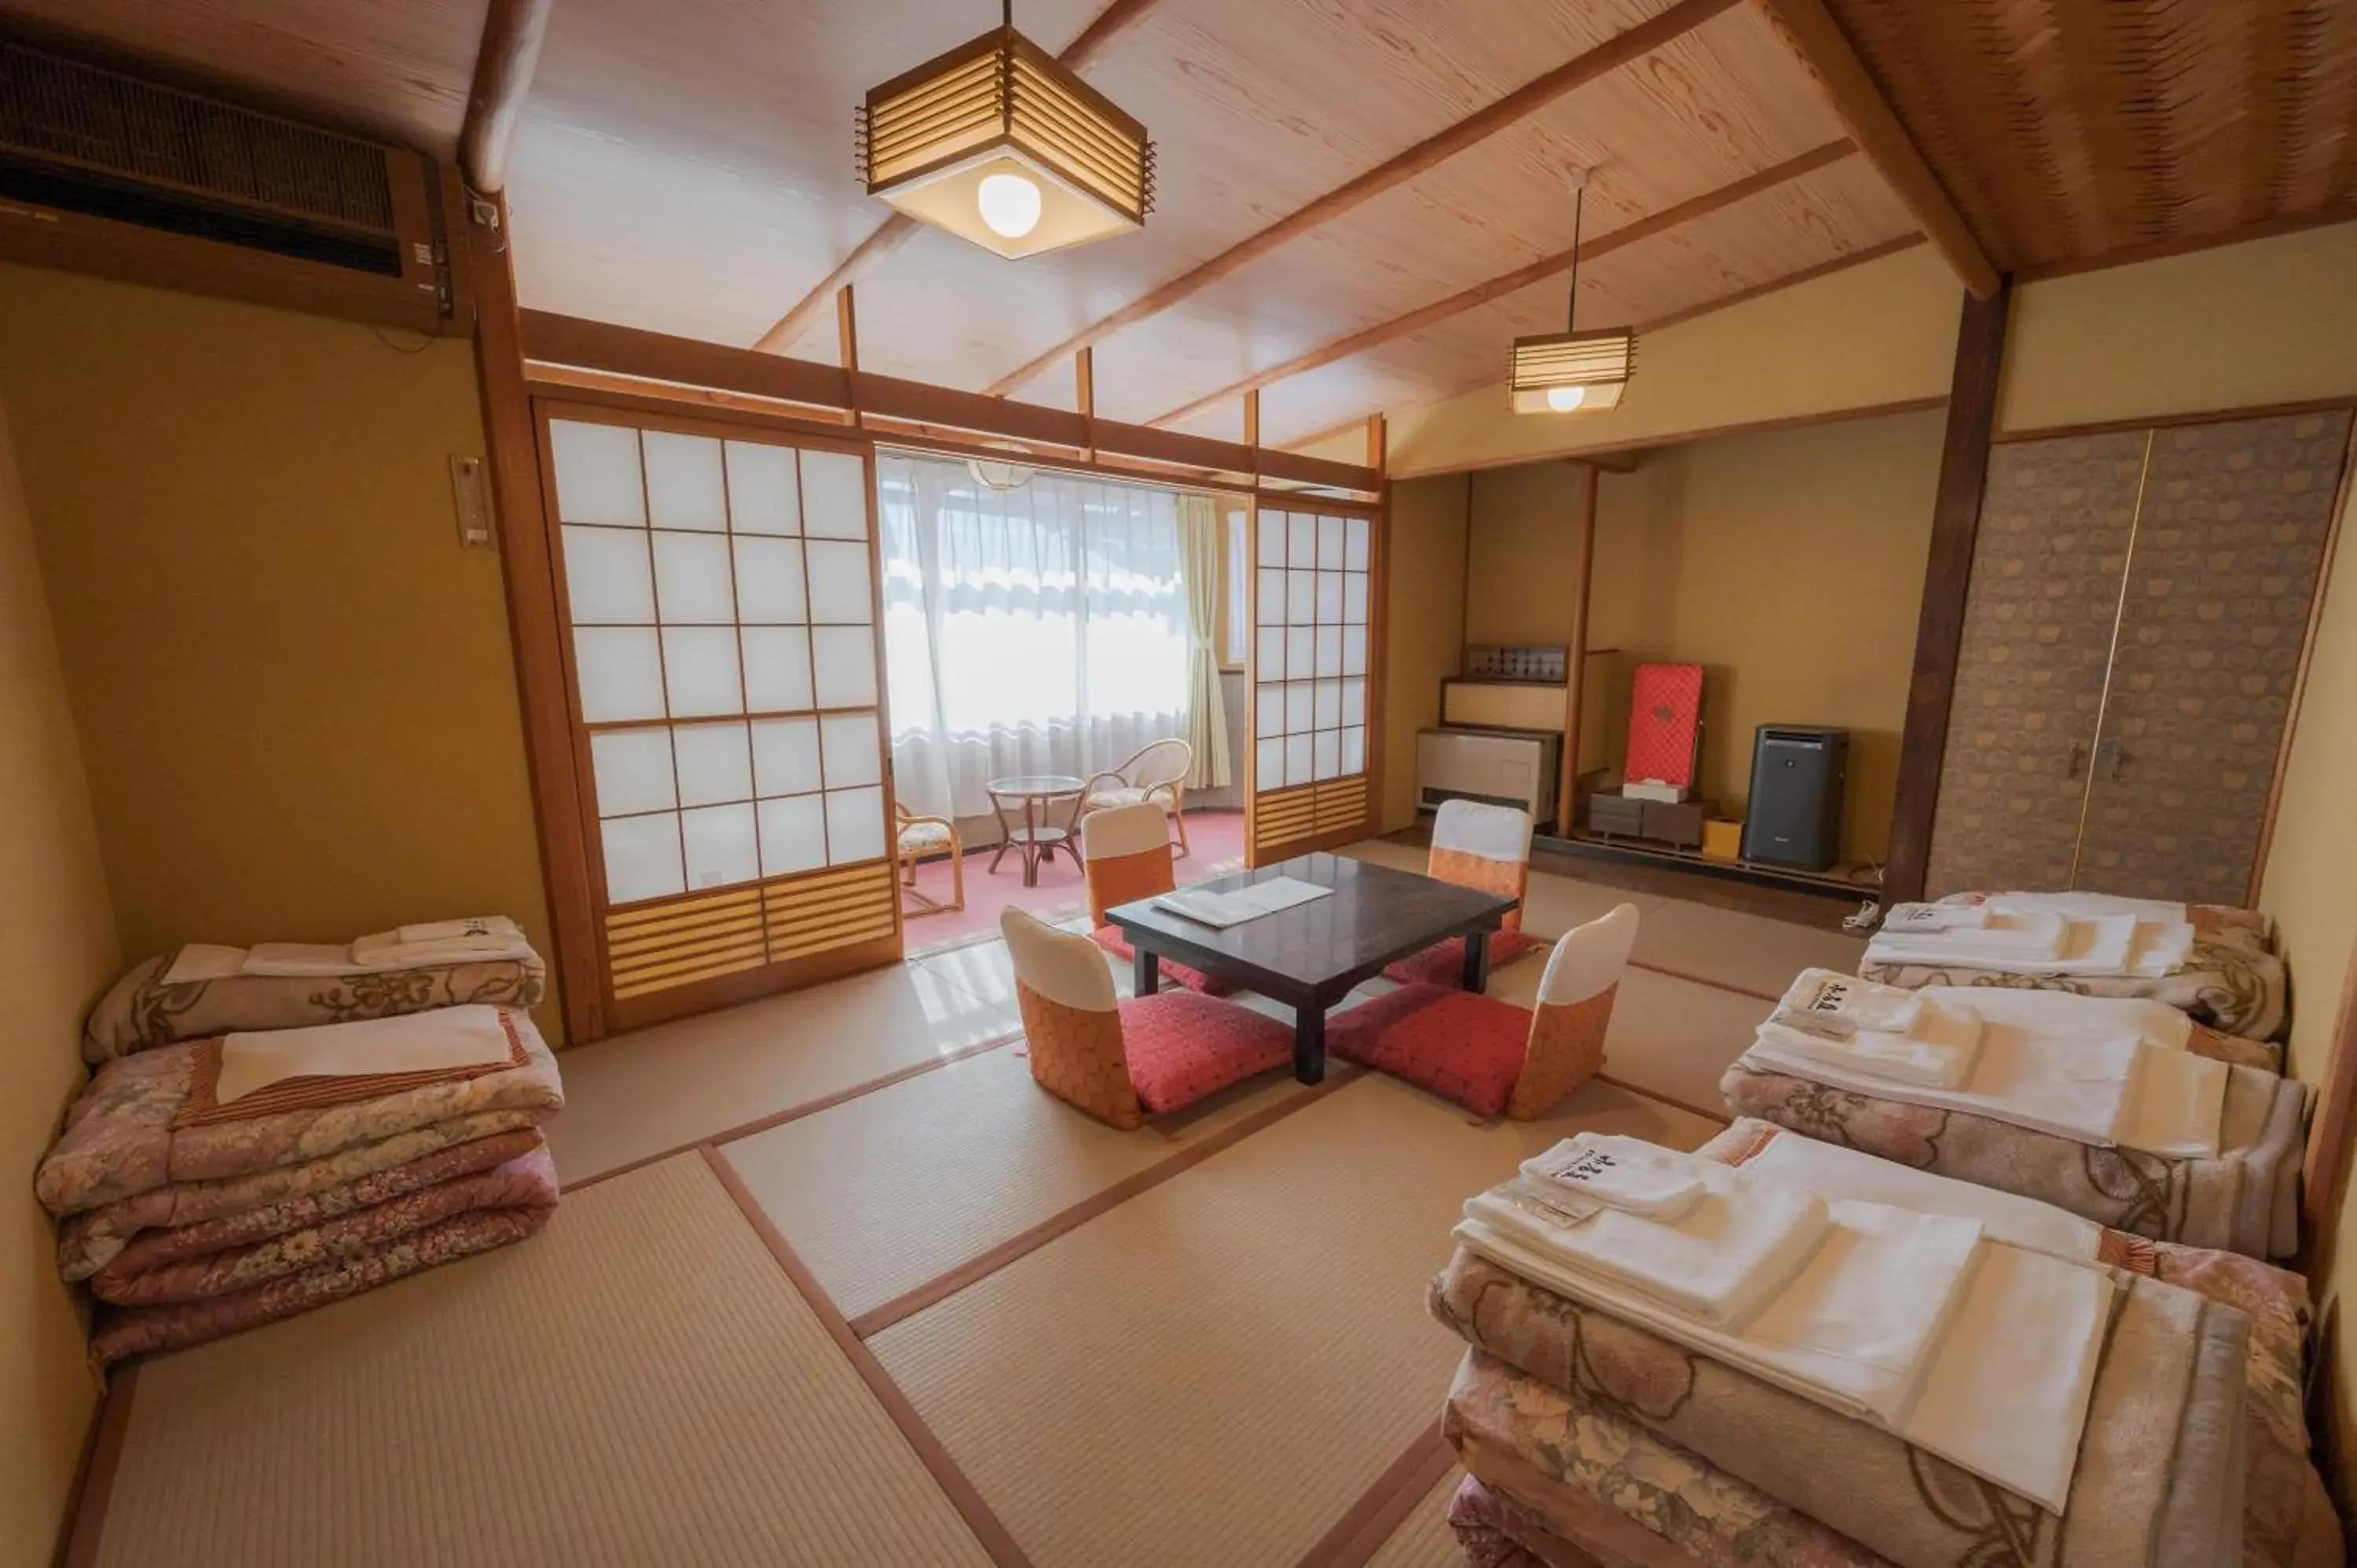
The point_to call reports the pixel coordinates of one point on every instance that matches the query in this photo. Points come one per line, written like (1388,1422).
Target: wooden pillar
(1084,393)
(1947,579)
(528,570)
(1576,657)
(847,332)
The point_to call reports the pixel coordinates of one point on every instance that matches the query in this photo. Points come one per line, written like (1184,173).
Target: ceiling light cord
(1578,210)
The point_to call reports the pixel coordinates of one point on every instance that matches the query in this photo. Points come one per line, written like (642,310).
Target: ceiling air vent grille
(90,140)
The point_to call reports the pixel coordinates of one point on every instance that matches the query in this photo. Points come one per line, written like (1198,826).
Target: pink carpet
(1217,838)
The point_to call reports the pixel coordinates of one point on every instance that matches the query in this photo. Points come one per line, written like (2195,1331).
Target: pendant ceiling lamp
(1568,370)
(996,142)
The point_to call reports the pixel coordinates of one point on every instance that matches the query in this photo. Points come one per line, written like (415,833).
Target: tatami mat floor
(837,1285)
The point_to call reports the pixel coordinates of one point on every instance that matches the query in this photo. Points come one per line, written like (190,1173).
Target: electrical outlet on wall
(470,496)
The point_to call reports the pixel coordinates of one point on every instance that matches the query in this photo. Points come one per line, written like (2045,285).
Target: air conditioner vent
(57,112)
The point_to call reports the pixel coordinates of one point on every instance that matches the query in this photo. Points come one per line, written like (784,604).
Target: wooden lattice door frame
(671,954)
(1329,808)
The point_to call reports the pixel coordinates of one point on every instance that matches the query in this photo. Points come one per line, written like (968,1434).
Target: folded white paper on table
(1237,905)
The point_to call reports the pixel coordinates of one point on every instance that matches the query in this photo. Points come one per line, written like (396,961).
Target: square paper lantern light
(996,142)
(1564,371)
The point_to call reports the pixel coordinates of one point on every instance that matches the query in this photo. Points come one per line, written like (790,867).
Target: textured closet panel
(2227,554)
(2029,677)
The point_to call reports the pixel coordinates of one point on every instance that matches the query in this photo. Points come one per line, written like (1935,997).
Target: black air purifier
(1797,775)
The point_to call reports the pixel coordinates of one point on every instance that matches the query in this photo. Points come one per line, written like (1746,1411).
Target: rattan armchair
(916,837)
(1155,772)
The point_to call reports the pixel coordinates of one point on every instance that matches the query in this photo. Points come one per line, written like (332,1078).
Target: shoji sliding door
(1313,663)
(718,592)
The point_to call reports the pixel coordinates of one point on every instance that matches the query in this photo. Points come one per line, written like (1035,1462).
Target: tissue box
(1722,839)
(1654,790)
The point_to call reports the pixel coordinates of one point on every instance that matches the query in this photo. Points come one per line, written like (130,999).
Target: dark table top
(1374,916)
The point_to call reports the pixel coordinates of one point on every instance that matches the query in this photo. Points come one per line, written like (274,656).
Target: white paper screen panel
(1310,648)
(721,599)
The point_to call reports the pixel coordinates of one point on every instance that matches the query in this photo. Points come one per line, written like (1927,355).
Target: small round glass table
(1034,837)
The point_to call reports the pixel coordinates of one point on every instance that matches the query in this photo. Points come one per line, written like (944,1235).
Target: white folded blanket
(1626,1174)
(1876,1029)
(414,1042)
(2065,1014)
(2100,1091)
(2083,906)
(1740,1244)
(2105,945)
(1832,1171)
(1979,1352)
(1958,932)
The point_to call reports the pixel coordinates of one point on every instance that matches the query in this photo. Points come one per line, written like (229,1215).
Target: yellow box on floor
(1722,838)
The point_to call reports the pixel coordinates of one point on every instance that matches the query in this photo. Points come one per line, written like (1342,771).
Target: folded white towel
(1847,1003)
(1831,1172)
(2005,1392)
(301,959)
(413,1042)
(1922,917)
(1741,1243)
(2073,1091)
(481,926)
(2085,905)
(1876,1029)
(203,961)
(1626,1173)
(2175,1104)
(2065,1014)
(2161,948)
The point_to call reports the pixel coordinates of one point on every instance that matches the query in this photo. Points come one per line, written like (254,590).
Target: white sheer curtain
(1042,629)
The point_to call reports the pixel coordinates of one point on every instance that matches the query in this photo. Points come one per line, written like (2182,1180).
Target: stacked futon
(271,1129)
(2119,1110)
(1674,1359)
(2206,960)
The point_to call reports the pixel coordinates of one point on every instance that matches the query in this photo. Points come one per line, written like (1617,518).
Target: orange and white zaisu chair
(1125,855)
(1486,847)
(1123,1061)
(1490,1056)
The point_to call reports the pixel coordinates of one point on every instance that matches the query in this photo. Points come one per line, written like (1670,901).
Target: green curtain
(1206,716)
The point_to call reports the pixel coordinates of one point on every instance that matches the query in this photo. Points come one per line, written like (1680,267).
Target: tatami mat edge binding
(1359,1534)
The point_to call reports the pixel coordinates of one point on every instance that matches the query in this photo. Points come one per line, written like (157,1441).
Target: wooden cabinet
(2133,635)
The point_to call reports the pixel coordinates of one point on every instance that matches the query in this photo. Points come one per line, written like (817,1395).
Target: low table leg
(1477,962)
(1309,1043)
(1146,970)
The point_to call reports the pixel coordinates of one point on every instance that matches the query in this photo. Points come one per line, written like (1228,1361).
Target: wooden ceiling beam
(1774,285)
(1475,128)
(512,33)
(1522,277)
(1822,47)
(1095,39)
(653,357)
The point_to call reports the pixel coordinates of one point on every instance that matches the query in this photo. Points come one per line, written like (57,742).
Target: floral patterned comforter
(246,1287)
(140,1012)
(120,1168)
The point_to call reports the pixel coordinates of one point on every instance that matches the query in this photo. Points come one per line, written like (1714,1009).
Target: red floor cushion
(1110,939)
(1443,963)
(1181,1046)
(1460,1046)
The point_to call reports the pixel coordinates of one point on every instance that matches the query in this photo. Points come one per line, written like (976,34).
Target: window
(1310,657)
(723,625)
(1235,619)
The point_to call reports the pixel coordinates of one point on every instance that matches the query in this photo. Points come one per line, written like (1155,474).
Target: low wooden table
(1037,838)
(1312,954)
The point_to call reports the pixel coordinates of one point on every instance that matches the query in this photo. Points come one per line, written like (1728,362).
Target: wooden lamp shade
(1547,369)
(1000,108)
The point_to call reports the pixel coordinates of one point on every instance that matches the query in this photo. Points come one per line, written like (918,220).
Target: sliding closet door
(1313,655)
(2039,621)
(718,588)
(2228,551)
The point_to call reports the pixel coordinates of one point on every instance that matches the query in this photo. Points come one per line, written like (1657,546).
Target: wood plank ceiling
(2074,131)
(688,167)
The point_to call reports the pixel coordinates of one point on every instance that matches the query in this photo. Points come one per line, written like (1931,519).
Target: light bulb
(1009,204)
(1563,400)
